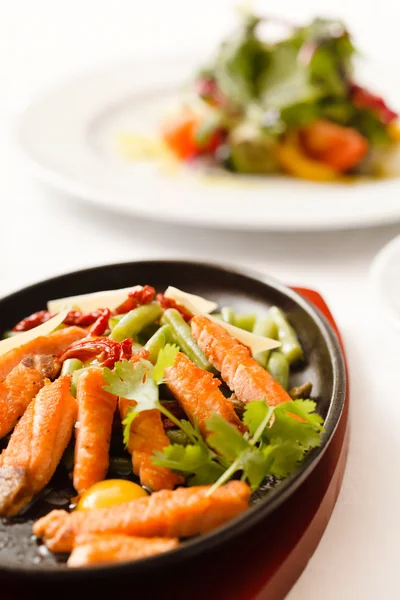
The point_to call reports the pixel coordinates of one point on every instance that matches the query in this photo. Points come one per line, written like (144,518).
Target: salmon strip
(183,512)
(238,368)
(197,392)
(54,343)
(147,435)
(96,409)
(37,444)
(96,549)
(21,386)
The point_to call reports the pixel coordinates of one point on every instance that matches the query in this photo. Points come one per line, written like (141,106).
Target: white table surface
(43,234)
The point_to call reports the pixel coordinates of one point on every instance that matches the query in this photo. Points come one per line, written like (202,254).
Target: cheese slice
(195,304)
(89,302)
(26,336)
(200,306)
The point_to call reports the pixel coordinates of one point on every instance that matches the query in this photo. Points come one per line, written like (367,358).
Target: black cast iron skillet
(244,291)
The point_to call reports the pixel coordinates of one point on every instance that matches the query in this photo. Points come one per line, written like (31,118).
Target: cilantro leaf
(305,434)
(194,460)
(166,358)
(284,458)
(255,464)
(225,438)
(254,414)
(127,422)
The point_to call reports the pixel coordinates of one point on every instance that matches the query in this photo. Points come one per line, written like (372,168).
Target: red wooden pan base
(262,564)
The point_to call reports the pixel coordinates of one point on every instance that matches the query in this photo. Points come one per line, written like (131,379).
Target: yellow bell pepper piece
(292,159)
(393,130)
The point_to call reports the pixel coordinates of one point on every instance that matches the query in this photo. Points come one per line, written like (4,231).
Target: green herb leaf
(305,434)
(254,414)
(166,358)
(192,460)
(225,438)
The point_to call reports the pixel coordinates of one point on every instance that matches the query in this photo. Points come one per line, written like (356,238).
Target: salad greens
(276,440)
(288,105)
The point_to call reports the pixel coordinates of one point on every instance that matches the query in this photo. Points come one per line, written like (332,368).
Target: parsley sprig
(277,437)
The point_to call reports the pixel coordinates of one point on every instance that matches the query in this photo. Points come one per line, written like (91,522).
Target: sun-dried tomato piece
(33,320)
(101,324)
(362,98)
(135,299)
(107,351)
(166,303)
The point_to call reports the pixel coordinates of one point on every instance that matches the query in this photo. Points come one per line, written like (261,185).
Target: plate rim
(255,513)
(84,188)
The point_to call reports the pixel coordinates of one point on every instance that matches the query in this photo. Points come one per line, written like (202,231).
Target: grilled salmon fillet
(51,344)
(197,392)
(183,512)
(96,409)
(111,548)
(147,435)
(36,445)
(238,368)
(21,385)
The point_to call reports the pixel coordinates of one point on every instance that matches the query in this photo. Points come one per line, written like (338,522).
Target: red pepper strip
(135,299)
(82,319)
(33,320)
(107,351)
(362,98)
(170,303)
(74,317)
(100,326)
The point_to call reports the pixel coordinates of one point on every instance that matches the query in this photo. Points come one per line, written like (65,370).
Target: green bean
(158,341)
(75,378)
(217,315)
(182,336)
(177,436)
(228,315)
(291,347)
(245,321)
(112,321)
(70,365)
(265,327)
(135,320)
(278,367)
(301,392)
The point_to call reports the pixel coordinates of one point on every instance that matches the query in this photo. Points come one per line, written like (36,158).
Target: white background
(42,234)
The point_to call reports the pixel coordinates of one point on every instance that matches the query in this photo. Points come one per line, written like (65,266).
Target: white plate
(69,137)
(385,275)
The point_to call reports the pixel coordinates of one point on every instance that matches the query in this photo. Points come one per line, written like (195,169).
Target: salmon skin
(37,444)
(97,549)
(147,435)
(183,512)
(51,344)
(96,409)
(21,385)
(197,392)
(238,368)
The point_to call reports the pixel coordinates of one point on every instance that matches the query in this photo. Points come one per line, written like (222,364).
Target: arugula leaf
(166,358)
